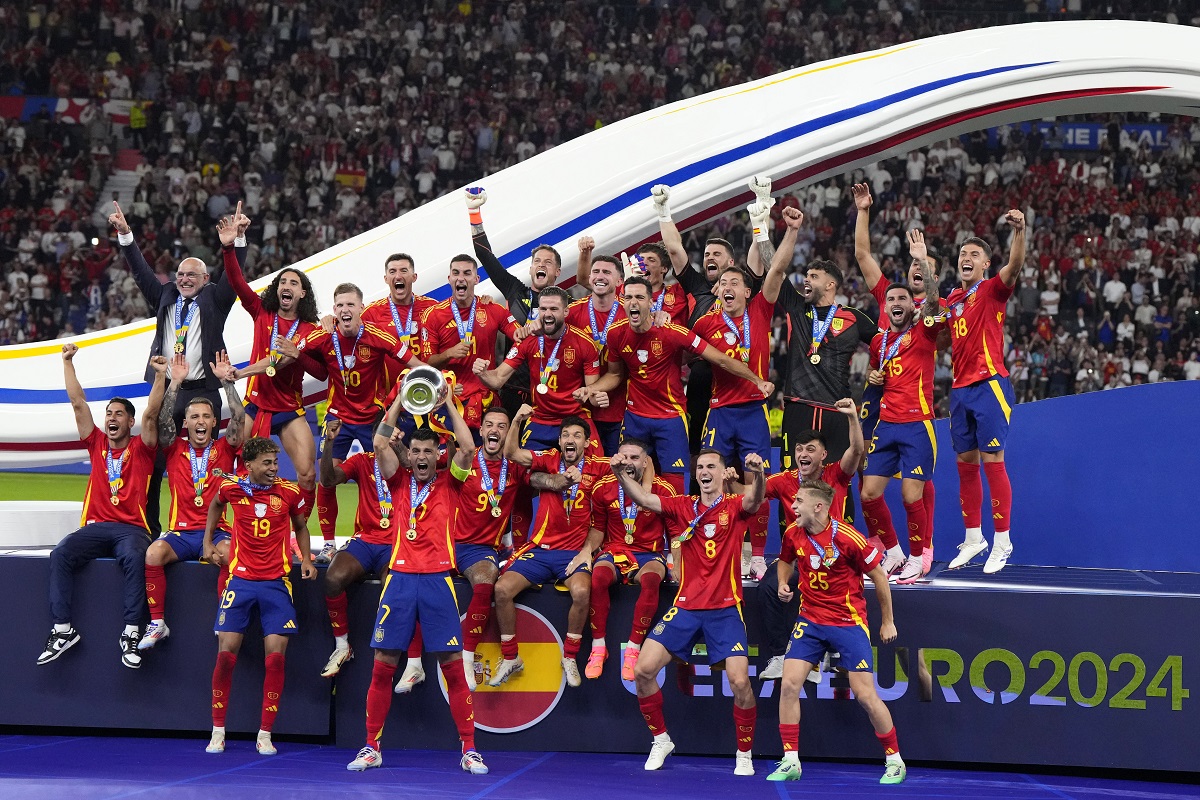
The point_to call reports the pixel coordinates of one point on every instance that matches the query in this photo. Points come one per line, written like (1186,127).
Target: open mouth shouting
(491,442)
(399,288)
(112,428)
(286,298)
(728,299)
(570,451)
(200,432)
(710,269)
(897,313)
(461,288)
(805,465)
(423,466)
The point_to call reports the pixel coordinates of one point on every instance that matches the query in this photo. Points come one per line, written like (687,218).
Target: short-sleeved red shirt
(354,395)
(832,595)
(185,515)
(710,560)
(564,518)
(782,486)
(476,523)
(433,548)
(577,357)
(729,389)
(654,367)
(649,529)
(580,315)
(262,528)
(136,463)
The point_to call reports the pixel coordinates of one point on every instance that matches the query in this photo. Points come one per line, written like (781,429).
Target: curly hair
(306,310)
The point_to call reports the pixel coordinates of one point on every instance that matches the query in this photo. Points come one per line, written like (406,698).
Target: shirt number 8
(710,548)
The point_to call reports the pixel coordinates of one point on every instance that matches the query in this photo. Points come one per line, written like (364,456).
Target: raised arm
(143,275)
(387,458)
(757,487)
(854,453)
(779,260)
(83,415)
(224,370)
(464,453)
(1016,253)
(492,378)
(332,474)
(227,229)
(761,225)
(638,493)
(862,236)
(177,372)
(583,270)
(505,282)
(154,402)
(661,195)
(512,441)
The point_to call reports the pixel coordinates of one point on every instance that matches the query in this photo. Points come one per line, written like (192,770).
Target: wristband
(664,211)
(475,217)
(385,430)
(760,235)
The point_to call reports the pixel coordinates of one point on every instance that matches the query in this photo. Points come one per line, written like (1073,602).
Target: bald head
(190,276)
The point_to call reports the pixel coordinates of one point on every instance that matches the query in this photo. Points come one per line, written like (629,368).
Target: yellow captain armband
(459,473)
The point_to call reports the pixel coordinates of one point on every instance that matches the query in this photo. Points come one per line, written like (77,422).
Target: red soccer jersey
(262,528)
(285,390)
(580,316)
(475,523)
(354,395)
(712,328)
(576,357)
(411,320)
(368,526)
(649,529)
(440,333)
(653,365)
(832,595)
(433,548)
(880,295)
(710,560)
(136,462)
(908,375)
(672,299)
(977,331)
(185,515)
(563,520)
(782,486)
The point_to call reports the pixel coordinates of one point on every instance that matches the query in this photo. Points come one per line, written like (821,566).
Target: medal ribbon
(571,492)
(466,330)
(962,302)
(382,491)
(416,499)
(598,335)
(337,349)
(405,331)
(250,488)
(743,336)
(821,327)
(657,305)
(181,324)
(628,515)
(485,478)
(549,365)
(885,354)
(831,553)
(691,528)
(114,467)
(275,337)
(199,467)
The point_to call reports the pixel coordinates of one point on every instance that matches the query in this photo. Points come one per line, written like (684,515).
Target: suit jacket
(215,301)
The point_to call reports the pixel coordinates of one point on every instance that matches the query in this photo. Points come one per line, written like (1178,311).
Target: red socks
(970,494)
(757,528)
(460,704)
(417,644)
(478,614)
(790,734)
(310,500)
(652,712)
(222,678)
(879,521)
(327,511)
(929,497)
(272,689)
(222,579)
(646,607)
(602,579)
(743,721)
(379,700)
(917,523)
(676,479)
(508,648)
(571,644)
(336,607)
(156,591)
(1001,491)
(890,746)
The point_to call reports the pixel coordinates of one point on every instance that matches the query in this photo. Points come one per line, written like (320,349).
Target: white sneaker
(57,644)
(414,673)
(997,560)
(758,567)
(367,757)
(909,573)
(263,744)
(659,753)
(967,551)
(773,671)
(891,562)
(155,631)
(472,762)
(571,671)
(326,554)
(506,670)
(130,656)
(217,743)
(743,763)
(334,665)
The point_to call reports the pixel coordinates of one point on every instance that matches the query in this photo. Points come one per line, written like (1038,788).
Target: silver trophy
(423,389)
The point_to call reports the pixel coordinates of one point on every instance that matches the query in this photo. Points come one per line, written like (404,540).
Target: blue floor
(87,768)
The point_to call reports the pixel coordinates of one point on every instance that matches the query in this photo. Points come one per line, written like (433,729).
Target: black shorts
(799,416)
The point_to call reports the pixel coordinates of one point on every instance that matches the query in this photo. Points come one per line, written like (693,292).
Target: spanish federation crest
(569,356)
(364,352)
(723,518)
(656,347)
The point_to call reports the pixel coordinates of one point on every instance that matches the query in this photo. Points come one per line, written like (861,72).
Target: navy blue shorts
(868,413)
(979,415)
(467,555)
(610,437)
(667,439)
(537,436)
(189,545)
(540,566)
(272,598)
(723,629)
(737,431)
(411,597)
(279,419)
(375,558)
(908,448)
(347,434)
(810,642)
(628,563)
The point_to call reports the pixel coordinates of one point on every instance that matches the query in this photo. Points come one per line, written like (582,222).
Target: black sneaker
(57,644)
(130,656)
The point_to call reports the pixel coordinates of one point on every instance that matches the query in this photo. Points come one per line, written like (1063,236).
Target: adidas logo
(994,443)
(627,349)
(273,709)
(997,515)
(862,665)
(453,642)
(478,630)
(290,625)
(679,463)
(737,648)
(918,471)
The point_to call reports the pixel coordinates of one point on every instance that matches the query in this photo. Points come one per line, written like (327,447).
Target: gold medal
(114,500)
(629,538)
(930,322)
(271,371)
(815,358)
(411,535)
(179,347)
(542,388)
(385,523)
(495,511)
(199,501)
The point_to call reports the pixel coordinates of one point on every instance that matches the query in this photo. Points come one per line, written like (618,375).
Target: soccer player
(356,355)
(562,362)
(833,559)
(736,423)
(902,362)
(461,329)
(823,335)
(418,585)
(632,552)
(114,509)
(190,465)
(597,315)
(561,545)
(981,397)
(648,360)
(401,312)
(709,602)
(266,511)
(485,504)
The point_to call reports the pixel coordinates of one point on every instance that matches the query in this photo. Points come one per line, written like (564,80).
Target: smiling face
(463,279)
(572,441)
(264,468)
(200,423)
(899,304)
(733,293)
(636,460)
(655,268)
(915,277)
(808,507)
(492,430)
(810,459)
(291,291)
(347,310)
(543,269)
(637,307)
(604,278)
(118,422)
(973,264)
(399,274)
(710,473)
(552,314)
(190,277)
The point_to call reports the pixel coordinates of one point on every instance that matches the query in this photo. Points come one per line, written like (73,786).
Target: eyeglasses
(196,275)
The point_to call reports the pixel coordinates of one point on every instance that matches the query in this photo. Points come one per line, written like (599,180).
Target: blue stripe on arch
(604,210)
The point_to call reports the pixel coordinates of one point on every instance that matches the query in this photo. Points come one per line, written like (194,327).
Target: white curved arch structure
(799,127)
